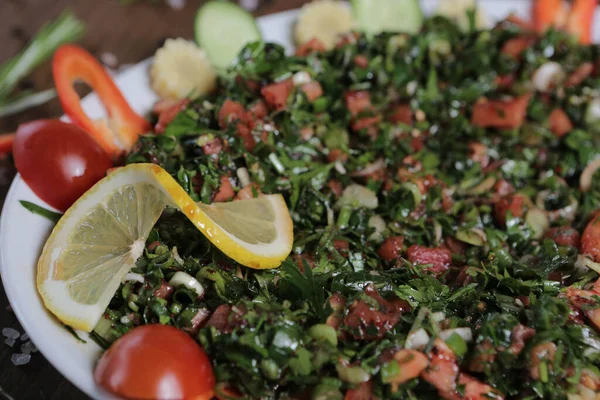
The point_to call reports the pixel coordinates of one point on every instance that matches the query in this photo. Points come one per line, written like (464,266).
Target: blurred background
(119,33)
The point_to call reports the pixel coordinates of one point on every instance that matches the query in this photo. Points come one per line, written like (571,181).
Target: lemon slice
(99,239)
(324,20)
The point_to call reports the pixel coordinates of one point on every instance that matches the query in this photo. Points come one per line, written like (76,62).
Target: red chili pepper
(118,133)
(576,19)
(6,143)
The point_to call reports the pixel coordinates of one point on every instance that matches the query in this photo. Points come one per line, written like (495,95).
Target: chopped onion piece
(548,76)
(301,78)
(437,316)
(176,255)
(243,176)
(464,333)
(181,278)
(370,168)
(378,223)
(592,114)
(132,276)
(588,262)
(585,181)
(417,339)
(538,222)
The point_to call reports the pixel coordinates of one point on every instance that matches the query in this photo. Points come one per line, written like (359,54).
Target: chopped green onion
(39,210)
(457,344)
(66,28)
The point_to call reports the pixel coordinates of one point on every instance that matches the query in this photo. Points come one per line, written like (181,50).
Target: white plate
(22,234)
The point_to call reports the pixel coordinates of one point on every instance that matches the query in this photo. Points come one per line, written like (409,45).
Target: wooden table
(132,33)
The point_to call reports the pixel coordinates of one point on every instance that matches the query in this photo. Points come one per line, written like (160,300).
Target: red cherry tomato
(59,161)
(156,362)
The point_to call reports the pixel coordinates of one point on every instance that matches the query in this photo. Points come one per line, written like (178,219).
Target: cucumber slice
(222,29)
(376,16)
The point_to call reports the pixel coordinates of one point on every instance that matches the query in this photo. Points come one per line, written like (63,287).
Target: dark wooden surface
(132,33)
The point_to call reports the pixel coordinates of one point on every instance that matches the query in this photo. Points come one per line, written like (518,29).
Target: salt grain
(24,337)
(28,347)
(109,59)
(10,333)
(20,359)
(10,342)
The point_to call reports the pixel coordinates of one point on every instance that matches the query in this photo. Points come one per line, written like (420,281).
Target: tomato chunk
(515,46)
(276,94)
(580,74)
(504,114)
(167,110)
(225,192)
(257,110)
(564,236)
(391,248)
(401,113)
(358,101)
(314,45)
(231,111)
(440,258)
(590,241)
(514,203)
(560,124)
(312,90)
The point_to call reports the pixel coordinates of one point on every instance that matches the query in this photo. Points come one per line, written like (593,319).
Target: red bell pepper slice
(6,143)
(115,135)
(576,20)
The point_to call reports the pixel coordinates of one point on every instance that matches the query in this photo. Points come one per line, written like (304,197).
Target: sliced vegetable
(180,70)
(123,127)
(323,21)
(58,161)
(576,19)
(156,362)
(65,28)
(6,143)
(376,16)
(222,28)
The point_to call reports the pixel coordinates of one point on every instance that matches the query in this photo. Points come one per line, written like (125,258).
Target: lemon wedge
(101,236)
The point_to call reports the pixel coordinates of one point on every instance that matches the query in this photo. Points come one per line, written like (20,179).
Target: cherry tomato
(59,161)
(156,362)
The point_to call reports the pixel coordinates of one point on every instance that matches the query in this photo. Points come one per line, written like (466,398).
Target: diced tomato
(337,155)
(370,321)
(505,80)
(564,236)
(590,240)
(336,187)
(391,248)
(213,147)
(502,187)
(440,258)
(225,192)
(473,389)
(312,90)
(231,111)
(479,154)
(455,245)
(257,110)
(347,38)
(276,94)
(314,45)
(514,203)
(164,291)
(560,124)
(519,335)
(417,143)
(167,110)
(442,372)
(401,113)
(365,122)
(341,246)
(244,132)
(504,114)
(580,74)
(361,61)
(364,391)
(248,192)
(515,46)
(358,101)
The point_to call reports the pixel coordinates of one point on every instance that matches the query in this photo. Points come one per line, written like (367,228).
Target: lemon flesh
(99,239)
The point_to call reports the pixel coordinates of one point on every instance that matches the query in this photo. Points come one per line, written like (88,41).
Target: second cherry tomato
(59,161)
(156,362)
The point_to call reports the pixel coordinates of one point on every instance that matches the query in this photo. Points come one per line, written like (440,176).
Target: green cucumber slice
(376,16)
(222,29)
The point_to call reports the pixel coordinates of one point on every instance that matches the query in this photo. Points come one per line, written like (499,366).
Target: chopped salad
(445,199)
